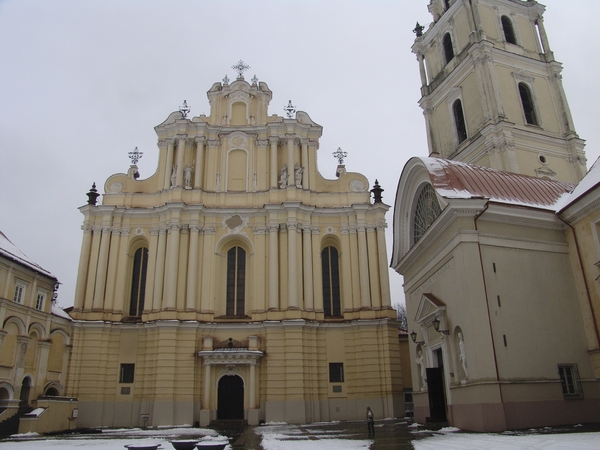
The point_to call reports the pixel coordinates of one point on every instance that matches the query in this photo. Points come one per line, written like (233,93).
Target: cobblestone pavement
(389,434)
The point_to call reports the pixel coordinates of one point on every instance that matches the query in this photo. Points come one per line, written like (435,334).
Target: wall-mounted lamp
(436,325)
(413,336)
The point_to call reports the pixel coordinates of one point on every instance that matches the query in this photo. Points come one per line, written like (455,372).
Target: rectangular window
(19,294)
(126,374)
(569,379)
(336,372)
(41,300)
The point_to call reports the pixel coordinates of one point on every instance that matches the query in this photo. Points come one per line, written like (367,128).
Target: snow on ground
(313,437)
(113,439)
(292,437)
(463,441)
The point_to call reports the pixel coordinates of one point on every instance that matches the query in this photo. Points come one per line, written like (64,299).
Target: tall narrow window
(138,282)
(459,121)
(336,372)
(19,293)
(447,4)
(509,31)
(331,282)
(236,281)
(448,49)
(527,102)
(41,299)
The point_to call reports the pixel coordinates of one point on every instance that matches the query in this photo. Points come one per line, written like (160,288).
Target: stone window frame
(454,95)
(40,300)
(19,292)
(527,80)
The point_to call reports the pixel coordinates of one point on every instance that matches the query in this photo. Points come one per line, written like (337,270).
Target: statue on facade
(422,369)
(462,355)
(174,175)
(283,179)
(187,176)
(298,171)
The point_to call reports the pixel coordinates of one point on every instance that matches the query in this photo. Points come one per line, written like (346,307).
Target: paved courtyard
(389,434)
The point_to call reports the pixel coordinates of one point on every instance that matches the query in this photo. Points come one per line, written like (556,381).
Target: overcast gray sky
(83,82)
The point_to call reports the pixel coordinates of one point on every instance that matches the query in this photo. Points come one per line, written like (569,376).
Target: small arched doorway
(230,402)
(25,388)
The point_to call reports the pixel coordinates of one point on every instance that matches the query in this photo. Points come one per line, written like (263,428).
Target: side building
(236,283)
(35,341)
(496,245)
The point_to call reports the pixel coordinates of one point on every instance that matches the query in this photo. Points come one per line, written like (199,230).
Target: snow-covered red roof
(58,311)
(589,182)
(10,251)
(454,179)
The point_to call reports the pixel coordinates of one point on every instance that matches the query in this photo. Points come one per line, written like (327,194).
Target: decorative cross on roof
(290,110)
(135,156)
(240,68)
(340,155)
(226,80)
(184,109)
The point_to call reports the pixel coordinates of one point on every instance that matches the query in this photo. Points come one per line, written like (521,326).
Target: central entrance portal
(230,403)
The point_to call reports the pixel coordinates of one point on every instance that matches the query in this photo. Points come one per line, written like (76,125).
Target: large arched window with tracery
(138,282)
(426,211)
(236,281)
(331,282)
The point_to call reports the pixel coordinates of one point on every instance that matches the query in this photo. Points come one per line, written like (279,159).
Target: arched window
(459,121)
(509,31)
(427,210)
(448,49)
(138,282)
(236,281)
(527,102)
(331,282)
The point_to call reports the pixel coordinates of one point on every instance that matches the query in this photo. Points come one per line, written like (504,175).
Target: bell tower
(492,92)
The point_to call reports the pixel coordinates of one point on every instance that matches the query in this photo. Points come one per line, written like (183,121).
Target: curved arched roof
(453,179)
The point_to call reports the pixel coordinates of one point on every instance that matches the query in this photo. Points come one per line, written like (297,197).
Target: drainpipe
(585,281)
(487,303)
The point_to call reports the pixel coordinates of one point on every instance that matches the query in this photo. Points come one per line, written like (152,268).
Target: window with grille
(569,379)
(426,211)
(126,374)
(138,282)
(336,372)
(236,281)
(331,282)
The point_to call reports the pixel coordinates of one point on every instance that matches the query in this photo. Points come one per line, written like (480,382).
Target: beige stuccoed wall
(235,198)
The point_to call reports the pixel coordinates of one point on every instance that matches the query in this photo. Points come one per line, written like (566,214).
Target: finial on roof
(340,155)
(254,80)
(226,80)
(240,68)
(290,109)
(419,30)
(93,195)
(184,109)
(376,191)
(135,156)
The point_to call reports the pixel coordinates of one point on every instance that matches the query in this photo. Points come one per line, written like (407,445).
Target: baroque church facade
(495,232)
(235,282)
